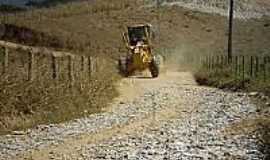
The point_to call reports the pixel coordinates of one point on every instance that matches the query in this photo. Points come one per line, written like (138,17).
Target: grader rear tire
(154,68)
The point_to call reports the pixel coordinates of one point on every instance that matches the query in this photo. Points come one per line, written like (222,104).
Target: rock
(18,133)
(263,97)
(121,102)
(253,94)
(208,30)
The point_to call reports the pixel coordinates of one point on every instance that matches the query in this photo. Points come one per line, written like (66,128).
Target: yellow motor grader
(140,57)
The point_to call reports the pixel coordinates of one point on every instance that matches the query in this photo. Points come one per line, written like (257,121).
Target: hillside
(244,9)
(95,28)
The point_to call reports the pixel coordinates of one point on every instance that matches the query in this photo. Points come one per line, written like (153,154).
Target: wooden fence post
(226,60)
(218,61)
(70,69)
(96,64)
(221,61)
(267,67)
(5,62)
(208,63)
(205,62)
(93,65)
(200,61)
(216,58)
(89,66)
(31,72)
(236,66)
(54,67)
(243,69)
(212,62)
(257,66)
(264,68)
(251,66)
(82,64)
(103,64)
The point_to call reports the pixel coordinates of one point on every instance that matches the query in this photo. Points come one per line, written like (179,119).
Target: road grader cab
(140,57)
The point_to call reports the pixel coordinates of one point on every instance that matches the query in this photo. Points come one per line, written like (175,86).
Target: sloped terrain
(95,28)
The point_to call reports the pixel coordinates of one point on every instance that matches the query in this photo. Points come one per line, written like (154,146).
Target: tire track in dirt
(130,89)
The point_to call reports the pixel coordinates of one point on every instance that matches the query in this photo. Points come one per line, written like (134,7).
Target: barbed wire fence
(242,67)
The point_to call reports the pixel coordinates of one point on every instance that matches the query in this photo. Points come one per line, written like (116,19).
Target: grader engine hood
(142,53)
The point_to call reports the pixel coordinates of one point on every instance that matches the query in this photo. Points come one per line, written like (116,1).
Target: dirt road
(165,118)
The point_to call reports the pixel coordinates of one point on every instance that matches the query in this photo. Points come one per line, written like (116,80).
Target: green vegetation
(47,3)
(224,79)
(31,37)
(10,9)
(241,76)
(25,104)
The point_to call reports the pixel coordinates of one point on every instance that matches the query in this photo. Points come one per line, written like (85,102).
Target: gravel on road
(165,118)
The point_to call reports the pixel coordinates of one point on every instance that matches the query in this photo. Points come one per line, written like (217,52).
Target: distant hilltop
(35,3)
(244,9)
(18,3)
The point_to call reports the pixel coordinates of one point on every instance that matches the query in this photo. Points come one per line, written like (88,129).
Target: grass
(80,27)
(41,103)
(47,3)
(25,104)
(224,78)
(29,37)
(259,125)
(94,28)
(10,9)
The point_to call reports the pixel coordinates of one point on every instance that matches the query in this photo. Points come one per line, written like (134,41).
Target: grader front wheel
(154,68)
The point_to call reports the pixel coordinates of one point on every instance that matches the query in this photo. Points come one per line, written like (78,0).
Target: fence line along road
(242,67)
(58,63)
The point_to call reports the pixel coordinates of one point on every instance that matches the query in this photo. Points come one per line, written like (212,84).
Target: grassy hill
(95,27)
